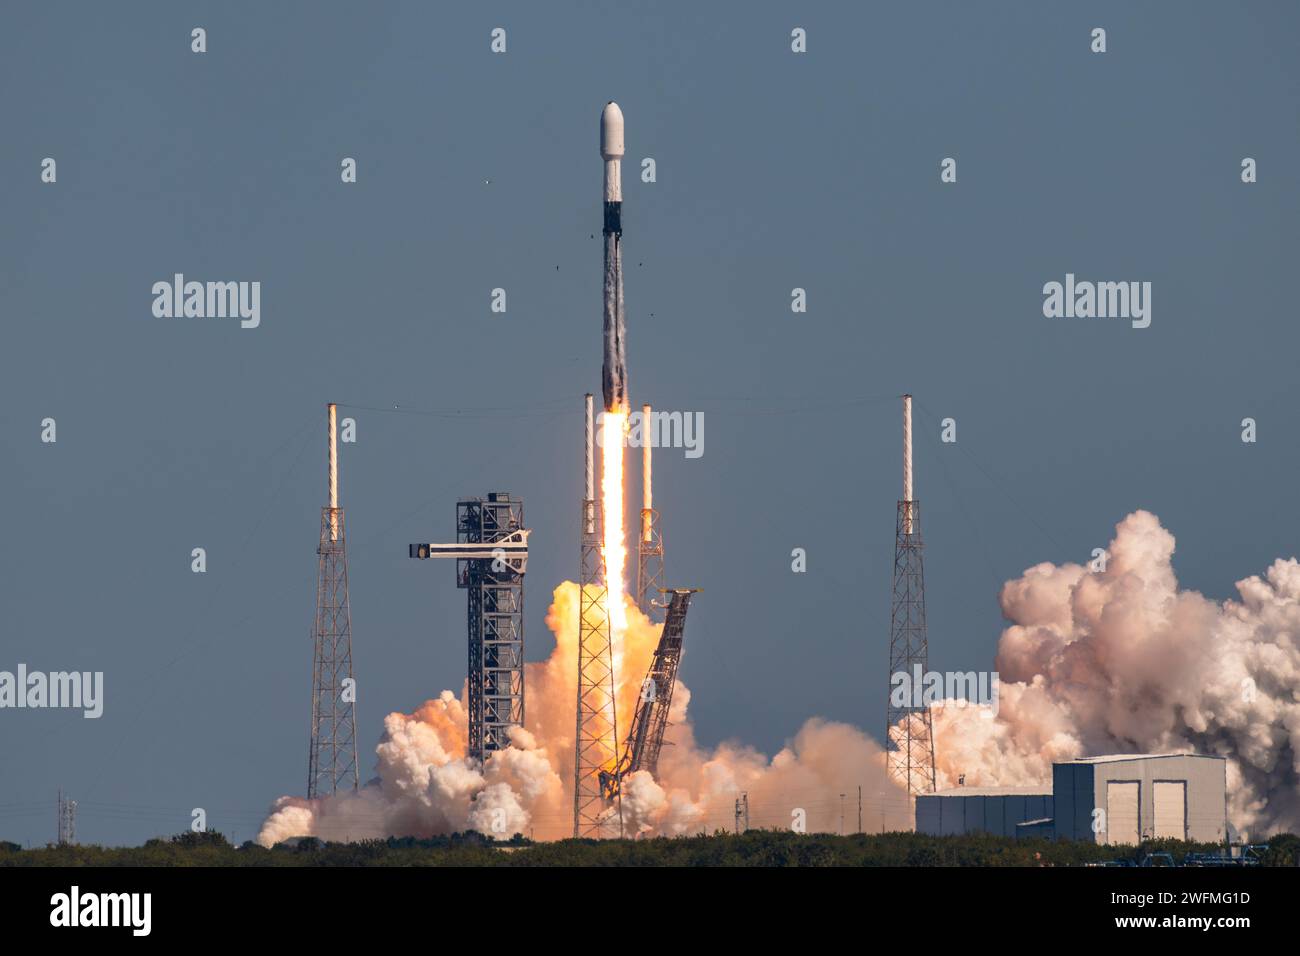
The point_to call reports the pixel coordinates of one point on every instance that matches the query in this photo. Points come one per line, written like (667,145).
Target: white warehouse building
(1183,796)
(1125,798)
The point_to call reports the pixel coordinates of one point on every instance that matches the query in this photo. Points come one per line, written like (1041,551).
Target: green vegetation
(755,848)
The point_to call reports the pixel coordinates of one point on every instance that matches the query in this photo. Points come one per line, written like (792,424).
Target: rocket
(614,371)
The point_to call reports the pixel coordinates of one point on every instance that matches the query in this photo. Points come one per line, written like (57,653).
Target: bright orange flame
(614,551)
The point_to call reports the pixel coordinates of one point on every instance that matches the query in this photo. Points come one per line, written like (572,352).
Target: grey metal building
(995,810)
(1123,798)
(1128,798)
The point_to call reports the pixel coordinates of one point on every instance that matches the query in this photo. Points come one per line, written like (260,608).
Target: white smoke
(1118,660)
(1121,661)
(425,785)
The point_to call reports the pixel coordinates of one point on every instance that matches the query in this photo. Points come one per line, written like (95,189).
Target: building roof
(1114,758)
(1044,791)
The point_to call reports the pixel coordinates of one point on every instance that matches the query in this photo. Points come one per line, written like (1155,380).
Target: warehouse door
(1171,809)
(1122,811)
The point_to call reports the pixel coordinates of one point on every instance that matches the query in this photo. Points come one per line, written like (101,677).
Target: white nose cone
(611,132)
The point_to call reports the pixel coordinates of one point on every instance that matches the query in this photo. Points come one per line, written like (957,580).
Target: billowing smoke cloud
(425,785)
(1121,661)
(1093,662)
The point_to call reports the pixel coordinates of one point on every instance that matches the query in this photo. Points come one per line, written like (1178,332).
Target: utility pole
(841,814)
(859,808)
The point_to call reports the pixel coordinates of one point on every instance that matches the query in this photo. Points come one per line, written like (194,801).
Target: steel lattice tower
(332,763)
(650,542)
(491,554)
(496,622)
(909,730)
(650,716)
(67,820)
(596,730)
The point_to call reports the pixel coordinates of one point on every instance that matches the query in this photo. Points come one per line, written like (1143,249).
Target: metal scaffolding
(491,554)
(646,737)
(67,820)
(496,621)
(332,762)
(649,566)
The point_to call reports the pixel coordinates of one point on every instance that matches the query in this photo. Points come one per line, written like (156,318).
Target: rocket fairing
(614,371)
(611,150)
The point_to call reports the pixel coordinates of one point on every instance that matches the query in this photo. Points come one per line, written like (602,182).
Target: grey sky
(477,171)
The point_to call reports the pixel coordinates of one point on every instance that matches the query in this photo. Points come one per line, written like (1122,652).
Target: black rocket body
(614,369)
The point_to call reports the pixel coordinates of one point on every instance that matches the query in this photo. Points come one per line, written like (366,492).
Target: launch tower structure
(332,761)
(909,731)
(491,554)
(655,700)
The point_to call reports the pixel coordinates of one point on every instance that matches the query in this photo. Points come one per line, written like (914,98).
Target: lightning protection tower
(596,733)
(909,731)
(650,542)
(332,763)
